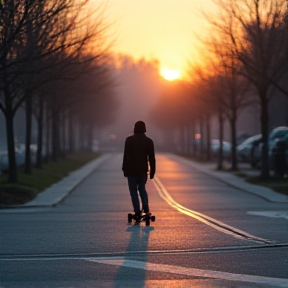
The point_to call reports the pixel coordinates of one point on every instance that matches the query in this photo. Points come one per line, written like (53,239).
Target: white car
(247,148)
(277,134)
(215,146)
(4,160)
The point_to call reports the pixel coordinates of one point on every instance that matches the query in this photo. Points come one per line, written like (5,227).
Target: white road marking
(272,214)
(193,272)
(220,226)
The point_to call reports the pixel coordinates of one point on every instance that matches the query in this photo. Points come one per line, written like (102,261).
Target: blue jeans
(137,183)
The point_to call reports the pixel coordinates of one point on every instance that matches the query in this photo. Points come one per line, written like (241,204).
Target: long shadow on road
(139,242)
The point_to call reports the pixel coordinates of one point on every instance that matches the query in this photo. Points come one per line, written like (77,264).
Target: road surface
(206,234)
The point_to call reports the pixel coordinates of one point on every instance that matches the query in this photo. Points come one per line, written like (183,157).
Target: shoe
(148,215)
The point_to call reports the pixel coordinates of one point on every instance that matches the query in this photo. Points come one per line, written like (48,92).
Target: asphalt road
(206,234)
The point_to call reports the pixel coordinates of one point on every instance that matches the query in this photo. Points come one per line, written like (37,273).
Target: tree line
(54,64)
(244,62)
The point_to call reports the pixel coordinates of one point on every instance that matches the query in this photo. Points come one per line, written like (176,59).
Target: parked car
(19,154)
(242,137)
(4,161)
(279,158)
(215,146)
(277,134)
(280,140)
(247,149)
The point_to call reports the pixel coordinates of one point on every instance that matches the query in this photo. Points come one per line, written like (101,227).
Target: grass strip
(277,184)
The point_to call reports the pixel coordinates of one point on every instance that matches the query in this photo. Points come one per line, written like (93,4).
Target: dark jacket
(138,151)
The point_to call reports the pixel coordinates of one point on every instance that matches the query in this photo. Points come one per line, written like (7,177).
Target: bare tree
(254,27)
(12,25)
(95,101)
(31,32)
(236,92)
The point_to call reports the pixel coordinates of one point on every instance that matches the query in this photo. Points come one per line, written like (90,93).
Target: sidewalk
(235,181)
(60,190)
(56,193)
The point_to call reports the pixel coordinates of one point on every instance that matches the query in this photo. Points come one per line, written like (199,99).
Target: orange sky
(162,29)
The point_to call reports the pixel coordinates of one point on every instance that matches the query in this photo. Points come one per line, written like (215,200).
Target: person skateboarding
(138,152)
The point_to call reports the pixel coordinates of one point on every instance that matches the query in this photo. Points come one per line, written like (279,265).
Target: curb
(236,182)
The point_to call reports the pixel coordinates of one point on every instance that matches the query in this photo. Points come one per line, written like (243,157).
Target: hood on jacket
(139,127)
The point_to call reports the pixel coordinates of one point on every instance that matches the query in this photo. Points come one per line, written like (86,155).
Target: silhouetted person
(138,152)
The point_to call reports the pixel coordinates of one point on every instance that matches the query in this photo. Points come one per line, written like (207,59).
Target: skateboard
(142,218)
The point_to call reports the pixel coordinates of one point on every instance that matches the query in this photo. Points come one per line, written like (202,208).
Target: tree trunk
(208,139)
(9,115)
(12,170)
(194,148)
(40,134)
(28,117)
(71,136)
(90,137)
(62,135)
(189,140)
(48,136)
(234,163)
(82,135)
(221,130)
(55,136)
(182,129)
(264,130)
(202,150)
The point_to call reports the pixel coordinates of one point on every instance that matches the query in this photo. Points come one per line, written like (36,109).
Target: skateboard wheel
(147,222)
(153,218)
(130,217)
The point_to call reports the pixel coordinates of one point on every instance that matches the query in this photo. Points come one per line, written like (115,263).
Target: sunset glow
(163,30)
(170,74)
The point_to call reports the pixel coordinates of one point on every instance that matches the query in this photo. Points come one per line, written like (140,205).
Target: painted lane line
(193,272)
(213,223)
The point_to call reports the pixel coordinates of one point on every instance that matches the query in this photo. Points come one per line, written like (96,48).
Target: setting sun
(170,74)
